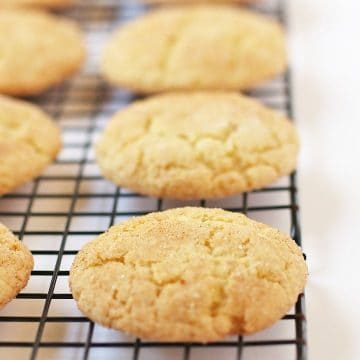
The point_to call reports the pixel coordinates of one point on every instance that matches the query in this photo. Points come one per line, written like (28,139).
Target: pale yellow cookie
(195,48)
(197,145)
(29,141)
(16,263)
(189,274)
(43,3)
(38,50)
(193,2)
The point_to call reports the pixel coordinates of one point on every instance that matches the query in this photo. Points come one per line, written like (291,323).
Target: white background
(325,41)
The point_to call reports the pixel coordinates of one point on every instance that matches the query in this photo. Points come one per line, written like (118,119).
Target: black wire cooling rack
(71,203)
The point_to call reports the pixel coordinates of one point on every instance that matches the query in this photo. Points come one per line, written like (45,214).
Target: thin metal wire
(61,251)
(295,231)
(240,346)
(88,341)
(187,352)
(91,90)
(137,345)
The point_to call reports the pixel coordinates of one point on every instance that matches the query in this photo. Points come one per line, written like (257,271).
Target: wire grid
(71,203)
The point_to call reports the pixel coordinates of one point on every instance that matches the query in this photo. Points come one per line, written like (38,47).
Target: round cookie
(16,263)
(44,3)
(191,2)
(188,274)
(197,145)
(201,47)
(29,141)
(38,50)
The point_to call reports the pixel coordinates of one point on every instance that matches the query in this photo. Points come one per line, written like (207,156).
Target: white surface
(325,53)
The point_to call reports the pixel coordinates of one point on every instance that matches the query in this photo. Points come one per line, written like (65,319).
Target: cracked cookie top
(44,3)
(197,145)
(29,141)
(38,50)
(189,274)
(204,47)
(193,2)
(16,263)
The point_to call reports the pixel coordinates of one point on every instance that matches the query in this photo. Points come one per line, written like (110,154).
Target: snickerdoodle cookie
(189,274)
(16,263)
(197,145)
(29,141)
(38,50)
(43,3)
(194,2)
(201,47)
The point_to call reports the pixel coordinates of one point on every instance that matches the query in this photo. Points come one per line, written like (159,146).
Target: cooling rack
(71,203)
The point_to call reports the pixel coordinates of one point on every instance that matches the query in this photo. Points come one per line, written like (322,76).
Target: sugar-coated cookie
(197,145)
(16,263)
(201,47)
(196,2)
(32,3)
(29,141)
(188,274)
(38,50)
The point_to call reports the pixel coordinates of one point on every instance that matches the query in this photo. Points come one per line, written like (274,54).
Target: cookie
(16,263)
(44,3)
(29,141)
(197,145)
(201,47)
(191,2)
(189,274)
(38,50)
